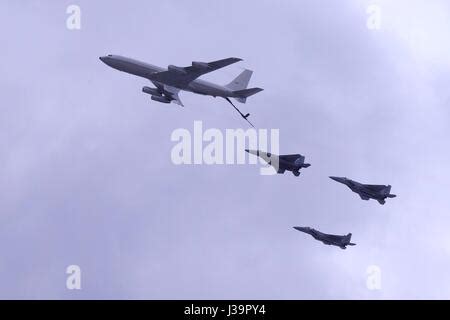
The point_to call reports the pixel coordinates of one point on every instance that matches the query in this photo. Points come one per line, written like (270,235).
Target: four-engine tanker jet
(281,163)
(367,191)
(329,239)
(169,82)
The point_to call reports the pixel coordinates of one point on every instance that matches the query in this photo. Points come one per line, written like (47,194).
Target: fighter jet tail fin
(387,190)
(348,238)
(242,95)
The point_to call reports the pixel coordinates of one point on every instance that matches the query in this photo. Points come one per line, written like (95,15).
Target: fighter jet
(168,82)
(367,191)
(281,163)
(329,239)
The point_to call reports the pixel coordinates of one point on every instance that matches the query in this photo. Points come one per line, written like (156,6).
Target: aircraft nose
(303,229)
(106,59)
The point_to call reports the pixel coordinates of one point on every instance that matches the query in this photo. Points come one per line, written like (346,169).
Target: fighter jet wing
(364,197)
(375,187)
(292,157)
(180,77)
(333,238)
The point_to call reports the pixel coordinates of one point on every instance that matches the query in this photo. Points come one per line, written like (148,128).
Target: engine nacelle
(176,69)
(200,65)
(160,99)
(298,162)
(151,91)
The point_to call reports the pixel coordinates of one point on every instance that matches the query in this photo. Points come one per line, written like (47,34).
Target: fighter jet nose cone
(246,150)
(338,179)
(307,230)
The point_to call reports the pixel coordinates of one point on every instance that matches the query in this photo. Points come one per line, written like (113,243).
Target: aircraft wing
(333,238)
(364,197)
(173,93)
(375,187)
(291,157)
(180,77)
(169,92)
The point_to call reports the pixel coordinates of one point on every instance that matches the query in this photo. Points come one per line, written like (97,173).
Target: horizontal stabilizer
(242,95)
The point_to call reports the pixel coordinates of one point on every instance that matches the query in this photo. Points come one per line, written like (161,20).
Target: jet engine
(298,162)
(176,69)
(160,99)
(200,65)
(151,91)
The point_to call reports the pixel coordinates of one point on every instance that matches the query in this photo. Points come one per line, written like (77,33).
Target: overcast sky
(86,177)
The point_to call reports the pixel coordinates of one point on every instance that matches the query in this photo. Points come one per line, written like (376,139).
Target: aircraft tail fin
(388,189)
(242,95)
(388,192)
(241,81)
(348,238)
(239,86)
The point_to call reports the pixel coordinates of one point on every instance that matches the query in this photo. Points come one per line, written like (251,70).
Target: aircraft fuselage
(328,239)
(145,70)
(367,191)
